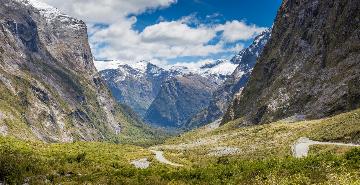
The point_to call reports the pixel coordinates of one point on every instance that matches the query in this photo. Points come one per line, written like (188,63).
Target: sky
(168,32)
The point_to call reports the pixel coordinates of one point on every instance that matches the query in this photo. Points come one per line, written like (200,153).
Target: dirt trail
(159,155)
(301,147)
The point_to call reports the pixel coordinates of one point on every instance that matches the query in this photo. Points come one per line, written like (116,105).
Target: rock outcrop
(138,84)
(310,67)
(223,96)
(49,87)
(179,99)
(134,86)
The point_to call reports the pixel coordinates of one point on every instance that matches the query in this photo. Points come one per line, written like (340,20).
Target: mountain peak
(53,15)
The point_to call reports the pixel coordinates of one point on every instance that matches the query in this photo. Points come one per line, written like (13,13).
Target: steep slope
(310,67)
(135,86)
(217,71)
(49,87)
(179,99)
(222,97)
(138,84)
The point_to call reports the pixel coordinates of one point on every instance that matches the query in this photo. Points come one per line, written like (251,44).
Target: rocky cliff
(49,87)
(310,67)
(222,97)
(138,84)
(179,99)
(134,86)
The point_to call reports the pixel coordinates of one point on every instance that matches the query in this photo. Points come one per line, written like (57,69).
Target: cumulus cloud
(235,30)
(117,39)
(177,33)
(107,11)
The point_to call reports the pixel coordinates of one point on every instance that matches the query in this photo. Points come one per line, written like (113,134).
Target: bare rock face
(179,99)
(223,96)
(136,88)
(49,87)
(311,65)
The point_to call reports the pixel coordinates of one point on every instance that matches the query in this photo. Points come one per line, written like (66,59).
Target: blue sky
(168,32)
(259,12)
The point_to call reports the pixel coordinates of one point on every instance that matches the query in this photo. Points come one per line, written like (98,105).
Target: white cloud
(106,11)
(177,33)
(235,30)
(159,42)
(102,65)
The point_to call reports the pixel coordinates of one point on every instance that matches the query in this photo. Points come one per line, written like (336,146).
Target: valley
(204,156)
(283,107)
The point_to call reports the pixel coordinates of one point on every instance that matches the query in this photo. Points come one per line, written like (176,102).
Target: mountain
(222,97)
(310,66)
(49,87)
(179,99)
(138,84)
(218,70)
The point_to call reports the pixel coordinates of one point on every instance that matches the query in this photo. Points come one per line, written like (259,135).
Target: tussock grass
(265,157)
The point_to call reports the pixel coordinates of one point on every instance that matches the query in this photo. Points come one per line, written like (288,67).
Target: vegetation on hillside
(269,161)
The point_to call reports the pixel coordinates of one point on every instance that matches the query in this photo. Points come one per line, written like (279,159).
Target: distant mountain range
(138,84)
(222,97)
(181,96)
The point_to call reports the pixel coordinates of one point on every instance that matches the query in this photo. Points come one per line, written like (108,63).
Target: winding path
(159,155)
(301,147)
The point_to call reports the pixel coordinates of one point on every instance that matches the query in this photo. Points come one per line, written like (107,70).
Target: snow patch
(141,66)
(219,69)
(52,14)
(224,68)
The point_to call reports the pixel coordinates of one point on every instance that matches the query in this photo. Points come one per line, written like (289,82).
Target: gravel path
(301,147)
(159,155)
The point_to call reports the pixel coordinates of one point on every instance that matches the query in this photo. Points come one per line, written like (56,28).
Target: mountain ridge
(309,67)
(222,97)
(146,78)
(49,86)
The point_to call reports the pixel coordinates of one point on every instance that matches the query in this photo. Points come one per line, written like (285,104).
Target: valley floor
(327,153)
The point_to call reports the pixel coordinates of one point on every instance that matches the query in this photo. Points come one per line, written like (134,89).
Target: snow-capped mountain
(245,60)
(150,89)
(220,69)
(138,84)
(53,15)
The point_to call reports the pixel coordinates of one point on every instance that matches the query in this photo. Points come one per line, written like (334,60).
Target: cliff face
(179,99)
(136,88)
(49,87)
(222,97)
(138,84)
(310,67)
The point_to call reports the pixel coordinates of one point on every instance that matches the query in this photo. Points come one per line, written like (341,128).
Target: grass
(104,163)
(73,162)
(262,141)
(265,157)
(20,116)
